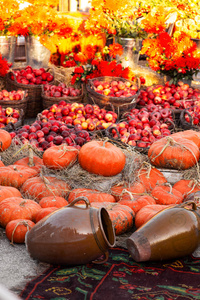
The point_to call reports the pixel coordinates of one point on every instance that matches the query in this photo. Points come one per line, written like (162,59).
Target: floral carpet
(119,278)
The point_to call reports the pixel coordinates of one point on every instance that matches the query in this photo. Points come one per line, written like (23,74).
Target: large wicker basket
(16,104)
(117,104)
(34,98)
(49,101)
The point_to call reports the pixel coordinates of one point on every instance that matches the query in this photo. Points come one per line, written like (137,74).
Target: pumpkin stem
(64,150)
(22,203)
(170,186)
(163,149)
(104,142)
(25,223)
(47,184)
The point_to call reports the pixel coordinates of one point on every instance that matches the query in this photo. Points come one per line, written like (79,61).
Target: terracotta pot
(171,233)
(72,235)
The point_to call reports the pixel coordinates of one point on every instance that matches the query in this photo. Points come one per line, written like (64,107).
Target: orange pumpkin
(43,186)
(5,140)
(17,208)
(92,195)
(166,195)
(191,135)
(137,203)
(122,216)
(186,187)
(147,212)
(101,158)
(59,157)
(123,191)
(30,161)
(53,201)
(44,212)
(174,153)
(8,191)
(15,176)
(149,176)
(17,229)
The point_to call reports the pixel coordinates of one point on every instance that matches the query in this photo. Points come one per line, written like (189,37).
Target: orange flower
(115,49)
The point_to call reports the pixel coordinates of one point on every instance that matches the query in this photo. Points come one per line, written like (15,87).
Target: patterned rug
(119,278)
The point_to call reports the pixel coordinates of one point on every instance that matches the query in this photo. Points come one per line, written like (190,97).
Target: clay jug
(72,235)
(171,233)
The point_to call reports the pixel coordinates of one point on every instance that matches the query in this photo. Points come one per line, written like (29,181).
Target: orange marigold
(115,49)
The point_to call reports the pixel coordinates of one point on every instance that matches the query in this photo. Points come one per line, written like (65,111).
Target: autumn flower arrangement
(8,13)
(115,18)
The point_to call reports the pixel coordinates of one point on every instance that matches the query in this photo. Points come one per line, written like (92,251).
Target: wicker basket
(34,98)
(116,104)
(16,104)
(49,101)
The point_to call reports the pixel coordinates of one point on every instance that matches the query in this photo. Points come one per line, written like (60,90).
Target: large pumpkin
(5,140)
(17,229)
(101,158)
(8,191)
(17,208)
(191,135)
(147,212)
(53,201)
(149,176)
(39,187)
(15,176)
(166,195)
(186,186)
(137,203)
(123,191)
(122,216)
(174,153)
(59,157)
(92,195)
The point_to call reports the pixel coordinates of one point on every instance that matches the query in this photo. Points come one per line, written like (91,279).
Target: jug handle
(101,261)
(83,198)
(194,205)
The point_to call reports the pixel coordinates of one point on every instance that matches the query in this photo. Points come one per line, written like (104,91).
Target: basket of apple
(53,94)
(31,80)
(15,99)
(11,118)
(190,117)
(113,93)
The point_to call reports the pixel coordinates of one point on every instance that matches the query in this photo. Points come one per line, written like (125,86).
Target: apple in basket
(61,90)
(115,88)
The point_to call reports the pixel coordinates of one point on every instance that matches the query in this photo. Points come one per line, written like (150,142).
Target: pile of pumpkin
(26,195)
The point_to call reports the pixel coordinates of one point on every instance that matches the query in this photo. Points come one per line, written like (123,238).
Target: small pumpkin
(186,186)
(92,195)
(39,187)
(122,191)
(44,212)
(16,230)
(101,158)
(166,194)
(53,201)
(59,157)
(15,176)
(122,216)
(174,153)
(5,140)
(8,191)
(147,212)
(31,161)
(149,176)
(137,203)
(17,208)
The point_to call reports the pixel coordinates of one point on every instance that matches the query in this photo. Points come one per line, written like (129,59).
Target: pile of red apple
(89,117)
(194,115)
(12,95)
(28,75)
(60,90)
(43,134)
(169,95)
(8,115)
(115,88)
(142,127)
